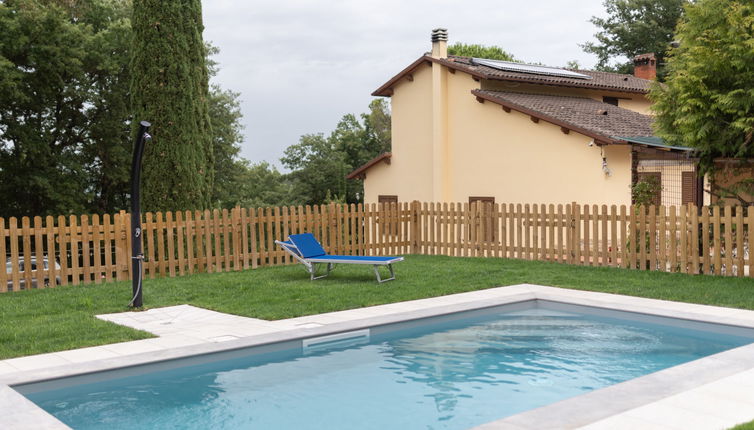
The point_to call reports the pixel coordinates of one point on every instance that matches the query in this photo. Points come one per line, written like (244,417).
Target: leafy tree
(62,112)
(376,130)
(225,117)
(646,190)
(65,134)
(170,88)
(479,51)
(320,164)
(257,185)
(108,148)
(318,169)
(707,102)
(634,27)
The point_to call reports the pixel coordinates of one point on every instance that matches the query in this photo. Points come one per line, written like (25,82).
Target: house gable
(409,175)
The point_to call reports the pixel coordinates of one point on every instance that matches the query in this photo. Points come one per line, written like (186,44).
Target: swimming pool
(454,371)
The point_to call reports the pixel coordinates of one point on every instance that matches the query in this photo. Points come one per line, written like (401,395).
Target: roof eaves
(386,89)
(544,117)
(360,173)
(651,141)
(461,67)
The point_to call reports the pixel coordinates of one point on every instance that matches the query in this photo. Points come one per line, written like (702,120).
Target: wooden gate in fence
(93,249)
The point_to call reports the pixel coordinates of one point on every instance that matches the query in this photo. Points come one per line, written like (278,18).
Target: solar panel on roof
(528,68)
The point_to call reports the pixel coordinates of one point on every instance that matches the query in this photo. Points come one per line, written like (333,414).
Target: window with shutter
(481,199)
(688,187)
(387,199)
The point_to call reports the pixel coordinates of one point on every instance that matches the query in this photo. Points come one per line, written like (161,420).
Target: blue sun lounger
(306,250)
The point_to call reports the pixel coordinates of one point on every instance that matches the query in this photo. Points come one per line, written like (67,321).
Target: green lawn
(39,321)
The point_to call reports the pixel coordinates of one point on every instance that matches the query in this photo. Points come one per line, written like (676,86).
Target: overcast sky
(301,65)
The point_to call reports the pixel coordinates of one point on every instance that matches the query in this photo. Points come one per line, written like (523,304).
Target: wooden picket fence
(94,249)
(669,239)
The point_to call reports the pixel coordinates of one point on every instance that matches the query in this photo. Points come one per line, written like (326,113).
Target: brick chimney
(440,43)
(645,66)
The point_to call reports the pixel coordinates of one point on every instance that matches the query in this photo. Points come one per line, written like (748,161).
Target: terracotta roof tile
(588,116)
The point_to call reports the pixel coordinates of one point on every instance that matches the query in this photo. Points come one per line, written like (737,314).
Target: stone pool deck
(711,393)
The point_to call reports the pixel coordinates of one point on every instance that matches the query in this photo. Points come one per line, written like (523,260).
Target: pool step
(338,340)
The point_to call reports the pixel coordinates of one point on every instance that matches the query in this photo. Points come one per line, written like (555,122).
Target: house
(468,129)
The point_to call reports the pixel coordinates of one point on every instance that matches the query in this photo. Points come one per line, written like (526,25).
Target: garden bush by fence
(93,249)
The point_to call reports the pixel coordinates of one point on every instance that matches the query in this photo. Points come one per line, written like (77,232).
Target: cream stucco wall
(638,104)
(409,175)
(480,150)
(516,160)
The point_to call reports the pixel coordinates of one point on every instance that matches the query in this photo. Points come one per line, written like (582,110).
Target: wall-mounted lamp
(606,169)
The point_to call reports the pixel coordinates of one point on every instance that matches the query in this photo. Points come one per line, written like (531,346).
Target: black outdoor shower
(137,254)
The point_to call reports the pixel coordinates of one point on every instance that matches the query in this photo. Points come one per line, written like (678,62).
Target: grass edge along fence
(94,249)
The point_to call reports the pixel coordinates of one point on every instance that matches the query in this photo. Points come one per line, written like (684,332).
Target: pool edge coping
(599,404)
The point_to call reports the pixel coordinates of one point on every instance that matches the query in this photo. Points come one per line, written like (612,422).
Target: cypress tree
(169,88)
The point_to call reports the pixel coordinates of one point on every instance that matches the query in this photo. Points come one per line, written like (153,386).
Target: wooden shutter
(688,187)
(387,199)
(481,199)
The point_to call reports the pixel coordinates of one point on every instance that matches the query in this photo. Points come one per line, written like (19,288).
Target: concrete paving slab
(87,354)
(40,361)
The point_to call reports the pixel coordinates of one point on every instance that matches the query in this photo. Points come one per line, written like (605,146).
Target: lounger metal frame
(311,263)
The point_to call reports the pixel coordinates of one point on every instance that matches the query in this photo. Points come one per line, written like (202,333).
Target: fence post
(122,252)
(565,232)
(4,254)
(573,237)
(415,227)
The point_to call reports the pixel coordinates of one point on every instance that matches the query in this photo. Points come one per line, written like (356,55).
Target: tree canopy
(479,51)
(707,101)
(66,120)
(170,88)
(634,27)
(64,105)
(319,164)
(65,134)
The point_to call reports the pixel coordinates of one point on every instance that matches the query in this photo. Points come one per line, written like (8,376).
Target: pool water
(448,375)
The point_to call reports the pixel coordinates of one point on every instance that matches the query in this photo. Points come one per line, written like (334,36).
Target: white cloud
(301,65)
